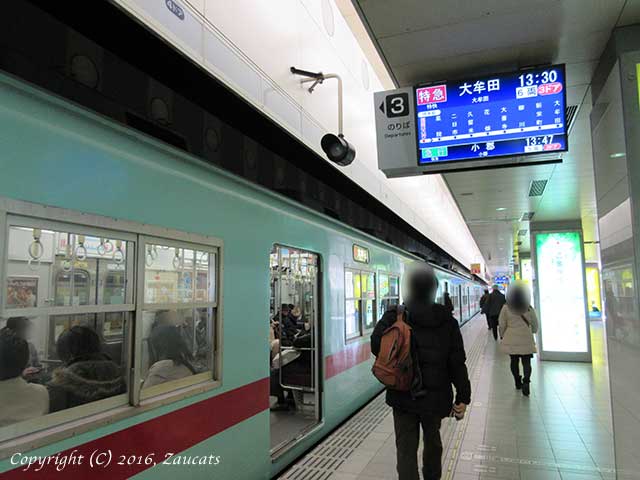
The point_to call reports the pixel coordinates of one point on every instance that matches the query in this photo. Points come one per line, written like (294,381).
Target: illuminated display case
(561,295)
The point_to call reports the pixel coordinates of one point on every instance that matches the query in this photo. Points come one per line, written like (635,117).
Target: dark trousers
(276,389)
(493,323)
(488,321)
(526,367)
(407,428)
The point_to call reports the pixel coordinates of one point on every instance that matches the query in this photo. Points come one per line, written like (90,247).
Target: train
(110,229)
(124,218)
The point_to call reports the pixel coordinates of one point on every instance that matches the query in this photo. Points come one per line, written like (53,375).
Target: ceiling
(444,39)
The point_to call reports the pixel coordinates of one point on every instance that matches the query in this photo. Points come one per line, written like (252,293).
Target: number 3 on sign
(397,105)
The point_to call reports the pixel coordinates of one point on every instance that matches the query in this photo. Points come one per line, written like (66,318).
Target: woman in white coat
(172,358)
(20,400)
(518,323)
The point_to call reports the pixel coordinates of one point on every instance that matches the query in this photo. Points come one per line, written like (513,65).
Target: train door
(294,346)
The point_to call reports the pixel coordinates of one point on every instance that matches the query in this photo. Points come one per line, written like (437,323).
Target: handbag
(529,325)
(284,358)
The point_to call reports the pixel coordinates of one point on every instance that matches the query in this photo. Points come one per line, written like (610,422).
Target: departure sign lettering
(496,116)
(360,254)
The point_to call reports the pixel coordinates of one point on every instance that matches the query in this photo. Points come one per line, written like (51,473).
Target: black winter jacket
(494,303)
(289,329)
(483,302)
(441,356)
(85,380)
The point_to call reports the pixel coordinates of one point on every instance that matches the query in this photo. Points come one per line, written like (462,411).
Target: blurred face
(23,329)
(518,297)
(26,333)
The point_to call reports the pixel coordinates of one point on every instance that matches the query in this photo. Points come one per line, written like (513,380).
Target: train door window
(360,303)
(455,297)
(53,301)
(293,340)
(352,306)
(389,291)
(465,300)
(178,300)
(368,300)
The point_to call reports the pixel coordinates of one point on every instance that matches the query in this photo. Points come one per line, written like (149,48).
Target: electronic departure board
(501,115)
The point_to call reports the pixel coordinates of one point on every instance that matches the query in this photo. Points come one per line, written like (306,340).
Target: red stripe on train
(353,355)
(173,432)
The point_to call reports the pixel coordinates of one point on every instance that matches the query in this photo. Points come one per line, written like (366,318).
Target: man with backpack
(437,360)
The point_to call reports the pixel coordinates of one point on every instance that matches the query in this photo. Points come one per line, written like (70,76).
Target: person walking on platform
(448,302)
(439,360)
(493,306)
(518,323)
(483,302)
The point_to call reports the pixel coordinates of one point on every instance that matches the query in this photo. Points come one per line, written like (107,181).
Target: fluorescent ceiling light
(617,155)
(501,209)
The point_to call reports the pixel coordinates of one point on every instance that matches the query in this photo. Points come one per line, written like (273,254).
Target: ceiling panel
(450,40)
(630,14)
(402,16)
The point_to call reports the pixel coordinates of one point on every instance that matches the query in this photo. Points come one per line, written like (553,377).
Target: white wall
(251,44)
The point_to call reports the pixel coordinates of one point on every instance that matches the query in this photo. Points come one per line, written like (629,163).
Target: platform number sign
(394,112)
(396,105)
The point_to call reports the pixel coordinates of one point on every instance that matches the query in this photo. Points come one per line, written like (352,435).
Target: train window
(389,291)
(178,316)
(68,303)
(360,302)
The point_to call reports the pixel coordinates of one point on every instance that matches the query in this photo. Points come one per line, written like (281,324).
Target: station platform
(563,431)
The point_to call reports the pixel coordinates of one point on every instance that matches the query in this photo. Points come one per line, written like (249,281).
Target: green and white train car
(105,227)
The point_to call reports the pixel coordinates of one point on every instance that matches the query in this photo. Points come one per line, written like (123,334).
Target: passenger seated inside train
(296,316)
(20,400)
(165,317)
(274,342)
(170,356)
(296,370)
(87,373)
(202,345)
(289,327)
(21,327)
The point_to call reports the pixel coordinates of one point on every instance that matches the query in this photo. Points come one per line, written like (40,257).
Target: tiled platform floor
(563,431)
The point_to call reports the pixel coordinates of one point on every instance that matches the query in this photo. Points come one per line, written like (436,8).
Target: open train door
(294,341)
